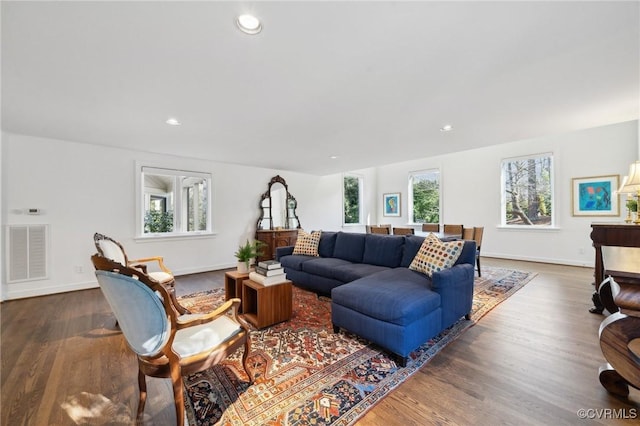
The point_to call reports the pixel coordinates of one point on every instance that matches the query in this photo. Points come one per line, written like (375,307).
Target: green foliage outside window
(351,199)
(426,199)
(157,221)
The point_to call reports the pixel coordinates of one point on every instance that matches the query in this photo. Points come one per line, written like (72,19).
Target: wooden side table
(233,285)
(266,305)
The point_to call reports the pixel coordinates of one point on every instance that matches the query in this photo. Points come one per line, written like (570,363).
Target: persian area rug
(305,374)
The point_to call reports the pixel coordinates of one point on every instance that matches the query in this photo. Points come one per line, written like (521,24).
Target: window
(174,202)
(527,191)
(424,196)
(352,199)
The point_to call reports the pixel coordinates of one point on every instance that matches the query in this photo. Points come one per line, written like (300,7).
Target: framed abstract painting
(595,196)
(391,204)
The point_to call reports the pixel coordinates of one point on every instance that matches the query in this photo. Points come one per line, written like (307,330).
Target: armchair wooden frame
(165,277)
(167,363)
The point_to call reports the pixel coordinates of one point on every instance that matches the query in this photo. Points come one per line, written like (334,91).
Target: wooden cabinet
(273,239)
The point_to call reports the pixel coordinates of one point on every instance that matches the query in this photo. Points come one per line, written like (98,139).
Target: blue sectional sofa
(375,295)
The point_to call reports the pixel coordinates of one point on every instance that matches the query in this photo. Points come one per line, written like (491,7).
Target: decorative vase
(243,268)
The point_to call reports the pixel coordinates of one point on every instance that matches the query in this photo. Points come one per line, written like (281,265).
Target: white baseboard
(21,293)
(43,291)
(568,262)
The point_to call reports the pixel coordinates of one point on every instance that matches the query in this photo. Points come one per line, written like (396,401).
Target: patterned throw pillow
(434,255)
(307,244)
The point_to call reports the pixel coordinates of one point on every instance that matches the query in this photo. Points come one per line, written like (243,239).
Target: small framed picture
(595,196)
(391,204)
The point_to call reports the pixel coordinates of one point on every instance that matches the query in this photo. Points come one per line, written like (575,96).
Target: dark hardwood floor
(533,360)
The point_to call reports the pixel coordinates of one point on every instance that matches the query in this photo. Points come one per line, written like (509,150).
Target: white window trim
(503,225)
(139,208)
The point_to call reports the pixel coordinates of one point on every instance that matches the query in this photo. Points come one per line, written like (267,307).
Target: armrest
(229,305)
(283,251)
(457,275)
(139,263)
(455,287)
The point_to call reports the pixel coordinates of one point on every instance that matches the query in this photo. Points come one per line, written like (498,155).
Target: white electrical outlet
(581,250)
(78,269)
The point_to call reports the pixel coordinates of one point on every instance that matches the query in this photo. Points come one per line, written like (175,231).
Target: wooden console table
(609,234)
(274,238)
(620,332)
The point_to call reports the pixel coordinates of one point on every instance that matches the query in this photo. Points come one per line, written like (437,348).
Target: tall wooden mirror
(278,207)
(278,223)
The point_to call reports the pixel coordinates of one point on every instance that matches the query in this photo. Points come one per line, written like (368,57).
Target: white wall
(82,189)
(471,190)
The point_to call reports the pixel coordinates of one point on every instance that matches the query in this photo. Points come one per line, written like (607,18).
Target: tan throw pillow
(434,255)
(307,244)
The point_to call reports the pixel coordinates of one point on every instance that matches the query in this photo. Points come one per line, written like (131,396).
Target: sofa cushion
(383,250)
(412,244)
(435,255)
(323,266)
(399,296)
(353,271)
(349,246)
(307,244)
(327,244)
(295,261)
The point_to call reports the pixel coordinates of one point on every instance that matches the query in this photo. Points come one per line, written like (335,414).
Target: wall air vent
(27,252)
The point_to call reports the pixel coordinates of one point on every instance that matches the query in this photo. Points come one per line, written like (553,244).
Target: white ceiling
(369,82)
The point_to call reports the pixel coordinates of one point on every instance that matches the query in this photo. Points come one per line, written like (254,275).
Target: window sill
(528,228)
(174,236)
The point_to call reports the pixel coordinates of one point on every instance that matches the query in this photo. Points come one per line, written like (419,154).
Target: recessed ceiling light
(249,24)
(446,128)
(333,157)
(173,122)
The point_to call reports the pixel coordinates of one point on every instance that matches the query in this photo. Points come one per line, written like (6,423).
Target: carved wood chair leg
(142,387)
(336,329)
(178,395)
(478,264)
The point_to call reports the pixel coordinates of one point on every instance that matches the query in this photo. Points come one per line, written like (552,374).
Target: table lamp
(632,185)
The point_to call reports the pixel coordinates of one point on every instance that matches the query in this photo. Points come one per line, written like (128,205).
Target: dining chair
(379,230)
(403,231)
(112,249)
(467,233)
(168,345)
(453,229)
(478,231)
(430,227)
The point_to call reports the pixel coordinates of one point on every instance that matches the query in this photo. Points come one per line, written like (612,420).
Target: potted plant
(247,253)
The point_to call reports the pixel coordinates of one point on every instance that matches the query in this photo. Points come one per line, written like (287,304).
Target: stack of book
(268,272)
